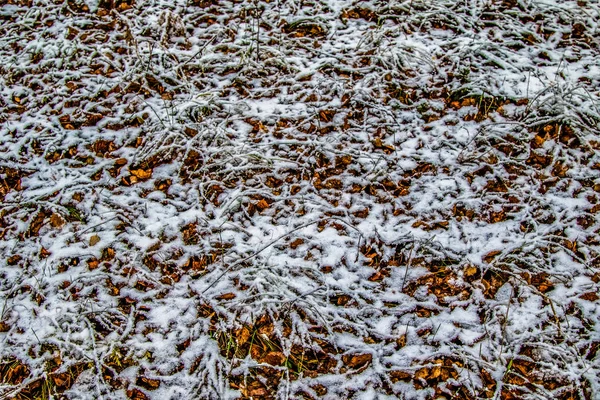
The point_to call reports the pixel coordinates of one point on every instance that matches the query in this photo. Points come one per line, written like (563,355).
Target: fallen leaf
(589,296)
(14,260)
(470,271)
(136,394)
(94,240)
(396,376)
(262,205)
(296,243)
(44,253)
(93,264)
(489,257)
(357,360)
(274,358)
(147,383)
(226,296)
(242,335)
(422,373)
(141,173)
(401,341)
(56,221)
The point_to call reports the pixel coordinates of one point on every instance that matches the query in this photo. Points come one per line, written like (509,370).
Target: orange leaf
(226,296)
(262,205)
(141,173)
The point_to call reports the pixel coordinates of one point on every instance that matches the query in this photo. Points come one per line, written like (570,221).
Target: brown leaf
(14,260)
(226,296)
(94,240)
(377,276)
(589,296)
(256,352)
(102,147)
(333,183)
(274,358)
(56,220)
(37,223)
(401,341)
(44,253)
(296,243)
(129,180)
(258,392)
(541,282)
(364,213)
(273,182)
(147,383)
(108,254)
(342,300)
(396,376)
(343,161)
(489,257)
(357,360)
(242,335)
(327,115)
(61,380)
(136,394)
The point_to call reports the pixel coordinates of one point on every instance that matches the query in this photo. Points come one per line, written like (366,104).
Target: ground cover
(299,199)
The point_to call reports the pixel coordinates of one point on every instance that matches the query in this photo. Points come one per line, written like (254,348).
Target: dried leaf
(242,335)
(401,341)
(357,360)
(396,376)
(93,264)
(44,253)
(489,257)
(141,173)
(136,394)
(14,260)
(470,271)
(327,115)
(296,243)
(94,240)
(274,358)
(262,205)
(147,383)
(56,220)
(589,296)
(226,296)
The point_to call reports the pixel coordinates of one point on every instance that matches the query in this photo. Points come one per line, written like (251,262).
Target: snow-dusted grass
(325,199)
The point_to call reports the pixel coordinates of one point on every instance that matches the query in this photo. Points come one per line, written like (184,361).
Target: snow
(252,158)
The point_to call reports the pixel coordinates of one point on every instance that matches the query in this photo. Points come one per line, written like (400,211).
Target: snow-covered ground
(299,199)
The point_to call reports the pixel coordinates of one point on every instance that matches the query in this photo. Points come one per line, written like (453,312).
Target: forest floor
(299,199)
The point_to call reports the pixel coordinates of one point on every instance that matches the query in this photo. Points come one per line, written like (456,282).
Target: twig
(199,51)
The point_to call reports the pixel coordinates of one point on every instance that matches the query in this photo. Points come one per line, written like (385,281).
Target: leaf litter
(299,199)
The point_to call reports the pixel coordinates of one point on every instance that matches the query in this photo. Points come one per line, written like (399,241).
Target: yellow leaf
(141,173)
